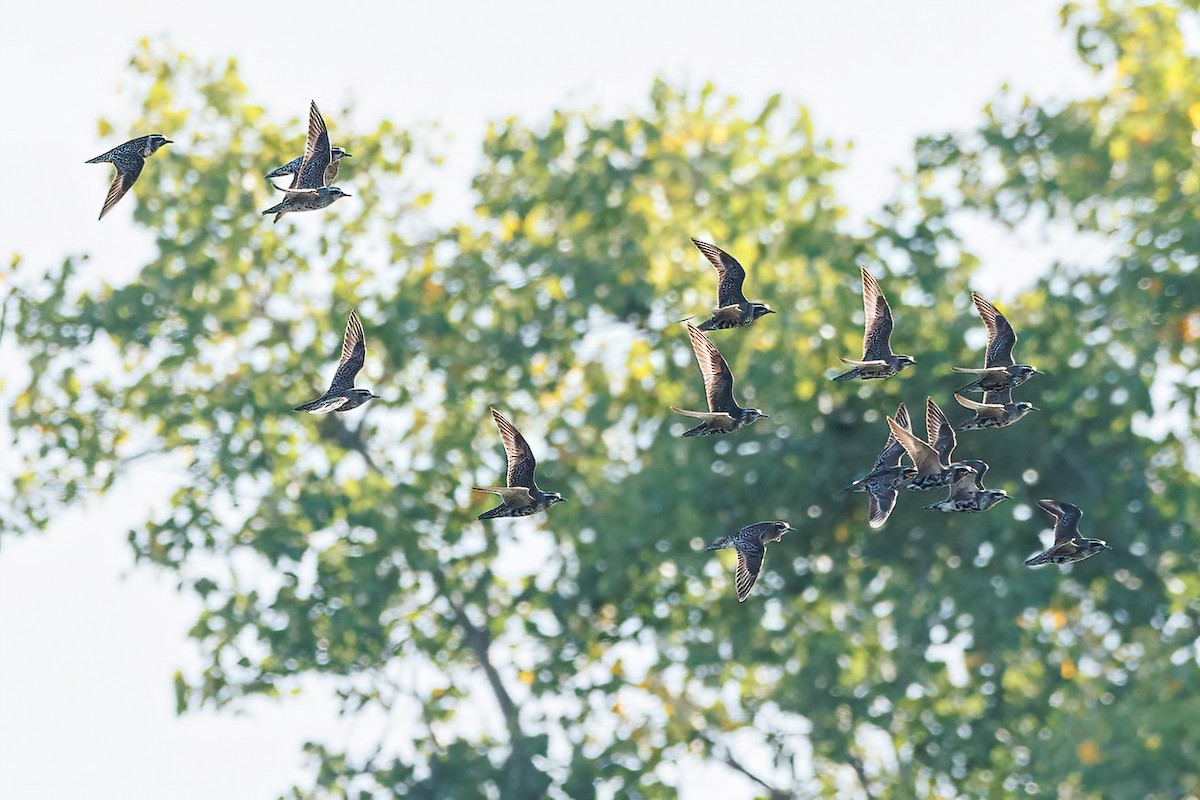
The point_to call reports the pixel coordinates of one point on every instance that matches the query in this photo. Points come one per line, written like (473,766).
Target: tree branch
(733,763)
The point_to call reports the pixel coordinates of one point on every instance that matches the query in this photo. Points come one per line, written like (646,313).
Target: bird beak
(766,416)
(1034,408)
(347,195)
(788,527)
(168,141)
(770,311)
(346,155)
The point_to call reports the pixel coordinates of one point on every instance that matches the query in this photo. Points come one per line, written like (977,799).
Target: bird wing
(939,431)
(1066,519)
(718,380)
(1000,397)
(924,457)
(516,497)
(750,559)
(323,404)
(980,409)
(881,503)
(354,352)
(893,450)
(128,169)
(730,274)
(521,462)
(877,325)
(963,486)
(1001,336)
(316,153)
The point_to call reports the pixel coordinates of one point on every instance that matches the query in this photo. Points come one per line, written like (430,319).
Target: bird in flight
(878,360)
(932,458)
(886,475)
(996,411)
(309,191)
(967,492)
(1068,546)
(293,167)
(751,545)
(128,159)
(341,394)
(724,415)
(999,371)
(733,309)
(521,496)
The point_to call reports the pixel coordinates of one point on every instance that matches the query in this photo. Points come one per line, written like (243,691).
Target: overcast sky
(88,645)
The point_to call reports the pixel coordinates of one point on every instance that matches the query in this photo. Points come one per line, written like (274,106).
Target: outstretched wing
(1066,519)
(718,380)
(521,462)
(1001,336)
(924,457)
(129,167)
(750,558)
(987,409)
(939,431)
(316,153)
(893,450)
(730,274)
(1000,397)
(877,326)
(354,352)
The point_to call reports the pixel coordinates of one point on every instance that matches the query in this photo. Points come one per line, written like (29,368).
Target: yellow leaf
(526,677)
(1067,669)
(1088,752)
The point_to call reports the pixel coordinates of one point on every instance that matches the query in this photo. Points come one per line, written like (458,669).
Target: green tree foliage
(584,653)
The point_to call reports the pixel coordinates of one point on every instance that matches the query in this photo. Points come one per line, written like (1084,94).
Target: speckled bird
(1068,546)
(886,475)
(932,458)
(996,411)
(967,492)
(341,395)
(521,496)
(733,309)
(128,159)
(724,415)
(751,545)
(878,360)
(293,167)
(999,370)
(309,191)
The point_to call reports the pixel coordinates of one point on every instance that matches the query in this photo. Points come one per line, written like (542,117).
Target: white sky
(87,645)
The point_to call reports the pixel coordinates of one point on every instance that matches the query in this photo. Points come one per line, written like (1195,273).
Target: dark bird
(128,158)
(341,395)
(293,167)
(309,191)
(521,497)
(967,492)
(1068,546)
(886,475)
(933,458)
(724,415)
(996,411)
(999,371)
(733,309)
(878,360)
(751,545)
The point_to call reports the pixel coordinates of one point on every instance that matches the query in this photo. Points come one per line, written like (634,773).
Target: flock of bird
(932,465)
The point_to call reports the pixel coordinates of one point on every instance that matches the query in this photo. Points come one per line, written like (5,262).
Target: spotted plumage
(932,458)
(751,545)
(724,415)
(996,411)
(128,159)
(886,475)
(733,309)
(309,191)
(999,371)
(293,167)
(1068,546)
(341,395)
(967,492)
(521,496)
(878,360)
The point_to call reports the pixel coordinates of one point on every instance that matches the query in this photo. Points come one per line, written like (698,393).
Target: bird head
(153,142)
(336,192)
(1024,408)
(554,497)
(753,415)
(1025,370)
(904,361)
(759,310)
(339,153)
(783,527)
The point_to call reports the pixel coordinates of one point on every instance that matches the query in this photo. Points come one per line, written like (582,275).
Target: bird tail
(848,376)
(498,511)
(721,544)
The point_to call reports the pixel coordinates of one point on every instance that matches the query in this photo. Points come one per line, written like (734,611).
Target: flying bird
(996,411)
(724,415)
(967,492)
(733,309)
(521,496)
(128,159)
(1068,546)
(309,191)
(341,394)
(999,371)
(751,545)
(878,360)
(886,475)
(293,167)
(932,458)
